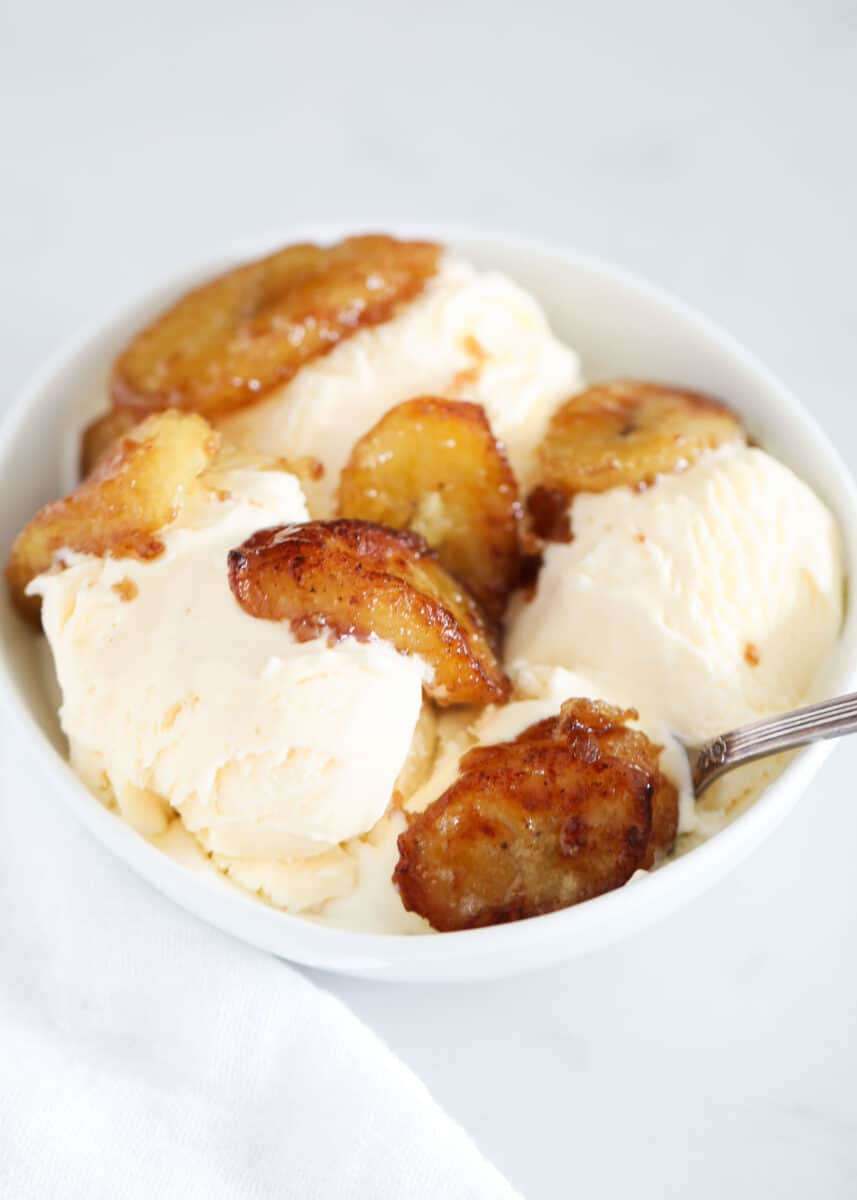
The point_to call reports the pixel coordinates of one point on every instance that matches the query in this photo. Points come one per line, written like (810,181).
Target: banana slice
(227,343)
(622,434)
(434,466)
(133,493)
(102,434)
(559,815)
(355,579)
(593,729)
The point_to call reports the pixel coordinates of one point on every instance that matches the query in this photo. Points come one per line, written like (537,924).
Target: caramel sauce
(469,376)
(126,589)
(549,510)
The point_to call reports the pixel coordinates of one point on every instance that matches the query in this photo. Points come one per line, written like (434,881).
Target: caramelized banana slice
(623,434)
(561,814)
(117,511)
(102,434)
(608,727)
(597,728)
(540,832)
(434,466)
(352,578)
(228,342)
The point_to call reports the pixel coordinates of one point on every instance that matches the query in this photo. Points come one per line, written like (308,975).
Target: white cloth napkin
(145,1054)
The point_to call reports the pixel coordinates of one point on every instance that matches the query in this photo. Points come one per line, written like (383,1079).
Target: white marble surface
(710,147)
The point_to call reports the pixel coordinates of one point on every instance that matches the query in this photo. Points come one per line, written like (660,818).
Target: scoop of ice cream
(468,335)
(357,868)
(174,697)
(711,598)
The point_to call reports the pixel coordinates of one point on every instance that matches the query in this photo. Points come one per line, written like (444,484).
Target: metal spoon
(829,719)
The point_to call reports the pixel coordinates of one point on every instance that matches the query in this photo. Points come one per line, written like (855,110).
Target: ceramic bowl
(620,325)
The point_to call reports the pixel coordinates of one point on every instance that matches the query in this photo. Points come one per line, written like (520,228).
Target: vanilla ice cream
(273,751)
(711,598)
(469,335)
(706,600)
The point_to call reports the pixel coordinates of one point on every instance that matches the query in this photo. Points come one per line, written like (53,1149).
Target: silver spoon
(829,719)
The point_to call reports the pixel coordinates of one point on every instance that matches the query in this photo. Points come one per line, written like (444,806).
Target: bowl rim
(469,954)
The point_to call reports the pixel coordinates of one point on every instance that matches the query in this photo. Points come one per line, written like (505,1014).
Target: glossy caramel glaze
(549,513)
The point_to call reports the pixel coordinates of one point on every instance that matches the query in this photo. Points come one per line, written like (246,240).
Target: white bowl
(621,325)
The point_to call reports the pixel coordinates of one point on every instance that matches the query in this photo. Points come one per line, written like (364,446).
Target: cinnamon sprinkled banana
(352,578)
(228,342)
(118,510)
(622,434)
(559,815)
(605,729)
(434,466)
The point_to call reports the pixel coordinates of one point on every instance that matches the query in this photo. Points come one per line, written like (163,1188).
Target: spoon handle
(829,719)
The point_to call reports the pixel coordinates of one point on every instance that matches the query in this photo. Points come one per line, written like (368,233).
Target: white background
(711,147)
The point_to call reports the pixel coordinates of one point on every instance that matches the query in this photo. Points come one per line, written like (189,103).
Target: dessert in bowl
(406,616)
